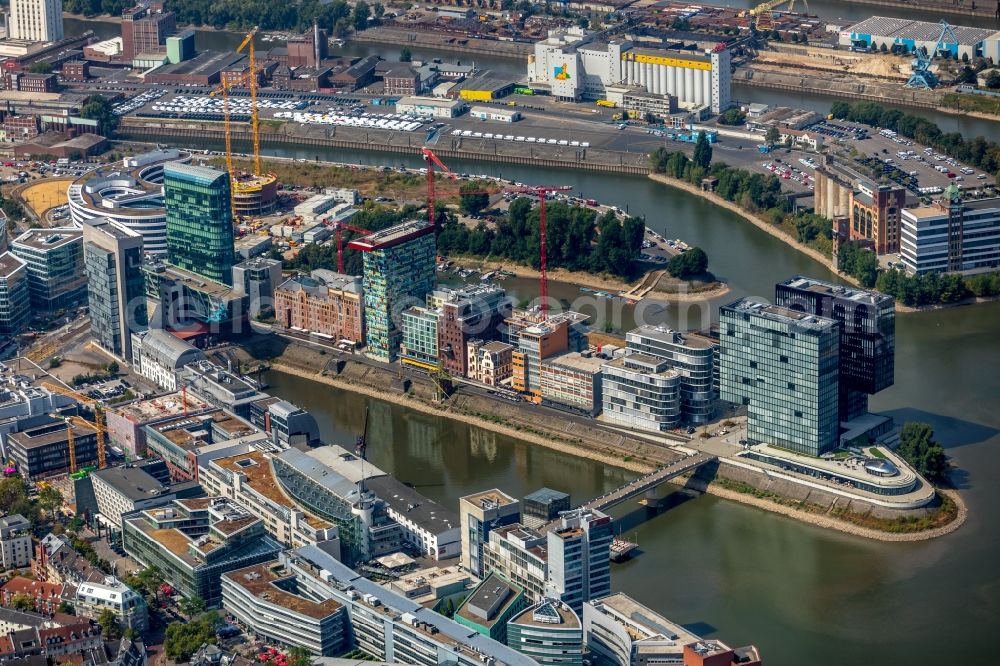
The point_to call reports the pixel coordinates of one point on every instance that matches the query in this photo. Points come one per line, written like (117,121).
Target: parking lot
(920,169)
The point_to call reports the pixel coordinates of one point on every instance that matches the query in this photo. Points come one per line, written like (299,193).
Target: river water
(800,593)
(803,595)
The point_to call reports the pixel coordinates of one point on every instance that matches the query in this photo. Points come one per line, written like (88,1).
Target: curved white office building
(131,193)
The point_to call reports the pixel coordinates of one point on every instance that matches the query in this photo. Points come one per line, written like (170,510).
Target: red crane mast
(341,227)
(542,191)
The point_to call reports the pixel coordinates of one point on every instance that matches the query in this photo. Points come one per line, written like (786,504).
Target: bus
(608,103)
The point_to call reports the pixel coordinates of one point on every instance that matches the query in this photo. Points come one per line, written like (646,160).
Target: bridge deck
(651,480)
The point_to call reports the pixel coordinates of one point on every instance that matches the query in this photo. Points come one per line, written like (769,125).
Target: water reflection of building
(483,444)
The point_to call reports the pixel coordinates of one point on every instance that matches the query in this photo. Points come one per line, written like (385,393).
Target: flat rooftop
(395,235)
(835,290)
(48,239)
(134,483)
(548,614)
(205,63)
(921,31)
(493,596)
(493,496)
(407,502)
(652,623)
(265,581)
(577,362)
(802,320)
(9,264)
(256,467)
(164,406)
(668,335)
(47,434)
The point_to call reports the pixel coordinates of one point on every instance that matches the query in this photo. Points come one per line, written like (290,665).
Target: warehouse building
(432,106)
(574,66)
(878,31)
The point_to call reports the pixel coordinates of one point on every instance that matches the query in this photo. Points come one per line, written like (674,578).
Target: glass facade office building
(112,257)
(199,221)
(399,265)
(867,335)
(784,366)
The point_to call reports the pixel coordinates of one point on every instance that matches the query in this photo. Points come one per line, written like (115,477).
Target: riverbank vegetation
(977,151)
(245,14)
(914,290)
(754,193)
(942,513)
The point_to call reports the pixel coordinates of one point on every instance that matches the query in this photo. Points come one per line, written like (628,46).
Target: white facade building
(35,20)
(951,235)
(15,542)
(434,107)
(576,67)
(93,598)
(642,391)
(159,356)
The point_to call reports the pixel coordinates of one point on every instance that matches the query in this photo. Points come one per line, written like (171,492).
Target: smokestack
(316,49)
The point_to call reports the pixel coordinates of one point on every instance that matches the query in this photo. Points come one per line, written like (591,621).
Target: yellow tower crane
(97,425)
(247,43)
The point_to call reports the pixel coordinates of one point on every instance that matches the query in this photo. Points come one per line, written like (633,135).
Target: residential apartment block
(490,363)
(692,356)
(479,514)
(15,542)
(642,391)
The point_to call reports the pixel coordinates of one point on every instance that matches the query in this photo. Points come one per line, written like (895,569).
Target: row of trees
(577,239)
(914,290)
(337,16)
(977,151)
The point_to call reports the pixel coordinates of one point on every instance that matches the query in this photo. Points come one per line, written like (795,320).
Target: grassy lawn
(875,453)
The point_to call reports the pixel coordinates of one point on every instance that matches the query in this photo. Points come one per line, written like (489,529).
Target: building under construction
(254,196)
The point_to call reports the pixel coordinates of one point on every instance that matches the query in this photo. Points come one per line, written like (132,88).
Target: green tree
(405,55)
(360,15)
(40,67)
(702,151)
(183,639)
(12,492)
(472,199)
(67,608)
(772,136)
(96,107)
(49,499)
(733,116)
(110,627)
(688,264)
(918,447)
(993,79)
(75,525)
(23,602)
(192,606)
(299,656)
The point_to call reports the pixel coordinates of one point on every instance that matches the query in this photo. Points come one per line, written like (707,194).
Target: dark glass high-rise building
(782,365)
(199,221)
(867,335)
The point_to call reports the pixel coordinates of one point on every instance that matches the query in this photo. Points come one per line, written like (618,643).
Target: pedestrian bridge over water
(649,482)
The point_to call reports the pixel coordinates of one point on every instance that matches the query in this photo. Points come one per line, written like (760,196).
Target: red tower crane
(432,160)
(341,227)
(542,191)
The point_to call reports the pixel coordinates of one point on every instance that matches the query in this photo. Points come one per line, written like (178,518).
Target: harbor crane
(921,77)
(763,14)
